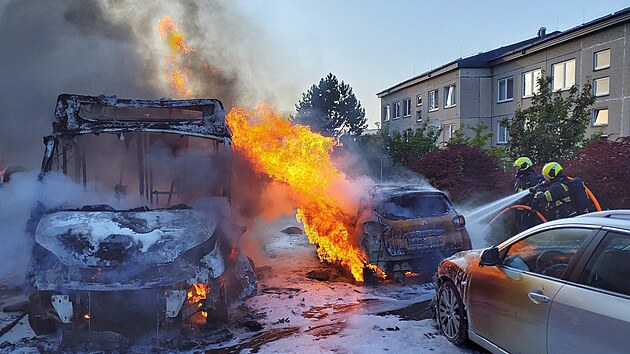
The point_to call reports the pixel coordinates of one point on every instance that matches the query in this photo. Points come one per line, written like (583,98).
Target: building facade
(488,87)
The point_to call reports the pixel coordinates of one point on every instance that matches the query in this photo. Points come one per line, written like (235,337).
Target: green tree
(408,146)
(331,108)
(554,126)
(480,137)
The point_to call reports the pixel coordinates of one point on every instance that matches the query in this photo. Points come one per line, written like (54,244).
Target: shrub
(465,171)
(604,166)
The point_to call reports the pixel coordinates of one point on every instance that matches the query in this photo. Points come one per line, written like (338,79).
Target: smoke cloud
(21,195)
(112,47)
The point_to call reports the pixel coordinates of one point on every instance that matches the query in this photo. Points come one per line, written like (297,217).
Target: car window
(414,206)
(547,252)
(609,268)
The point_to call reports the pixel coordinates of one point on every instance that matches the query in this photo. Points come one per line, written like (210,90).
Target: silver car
(560,287)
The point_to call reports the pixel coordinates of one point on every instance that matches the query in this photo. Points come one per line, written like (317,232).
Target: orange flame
(288,153)
(295,155)
(174,39)
(197,293)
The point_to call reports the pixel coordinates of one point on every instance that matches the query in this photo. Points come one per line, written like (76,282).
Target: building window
(563,75)
(601,86)
(419,100)
(433,100)
(386,113)
(419,116)
(450,131)
(506,89)
(601,60)
(502,134)
(530,82)
(600,117)
(449,96)
(396,110)
(407,108)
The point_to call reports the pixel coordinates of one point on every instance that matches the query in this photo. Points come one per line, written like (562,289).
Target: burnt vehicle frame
(414,239)
(165,262)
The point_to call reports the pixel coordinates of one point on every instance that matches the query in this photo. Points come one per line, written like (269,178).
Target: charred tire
(39,316)
(218,315)
(370,277)
(450,313)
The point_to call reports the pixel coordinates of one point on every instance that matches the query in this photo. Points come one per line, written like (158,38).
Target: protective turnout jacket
(527,179)
(558,198)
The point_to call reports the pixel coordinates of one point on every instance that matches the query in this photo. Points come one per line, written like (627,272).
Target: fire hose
(591,196)
(526,207)
(518,206)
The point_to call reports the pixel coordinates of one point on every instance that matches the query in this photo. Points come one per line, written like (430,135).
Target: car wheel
(39,317)
(450,314)
(218,314)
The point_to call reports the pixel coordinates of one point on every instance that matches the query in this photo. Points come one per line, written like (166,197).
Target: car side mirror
(490,257)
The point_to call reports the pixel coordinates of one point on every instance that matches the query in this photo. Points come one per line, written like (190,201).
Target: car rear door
(592,314)
(509,304)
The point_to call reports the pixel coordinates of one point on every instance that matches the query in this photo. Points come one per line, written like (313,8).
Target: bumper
(131,312)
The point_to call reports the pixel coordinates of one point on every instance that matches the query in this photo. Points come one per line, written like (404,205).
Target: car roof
(623,214)
(595,219)
(401,189)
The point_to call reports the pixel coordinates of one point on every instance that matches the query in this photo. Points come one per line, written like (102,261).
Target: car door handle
(537,297)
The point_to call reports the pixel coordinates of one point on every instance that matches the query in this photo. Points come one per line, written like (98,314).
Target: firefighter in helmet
(526,178)
(558,197)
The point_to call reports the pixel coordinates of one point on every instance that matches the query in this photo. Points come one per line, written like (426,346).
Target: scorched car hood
(110,238)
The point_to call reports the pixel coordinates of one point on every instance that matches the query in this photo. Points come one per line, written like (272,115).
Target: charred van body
(141,256)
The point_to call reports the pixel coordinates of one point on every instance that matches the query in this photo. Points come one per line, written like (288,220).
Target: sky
(245,51)
(373,45)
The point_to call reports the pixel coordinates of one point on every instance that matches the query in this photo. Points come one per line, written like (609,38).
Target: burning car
(148,249)
(410,229)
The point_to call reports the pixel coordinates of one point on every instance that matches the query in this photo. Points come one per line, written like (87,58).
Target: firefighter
(559,198)
(526,178)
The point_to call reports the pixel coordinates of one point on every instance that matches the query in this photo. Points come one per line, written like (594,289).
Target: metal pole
(382,167)
(89,311)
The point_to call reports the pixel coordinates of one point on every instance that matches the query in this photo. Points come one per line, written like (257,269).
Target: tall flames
(291,154)
(295,155)
(170,34)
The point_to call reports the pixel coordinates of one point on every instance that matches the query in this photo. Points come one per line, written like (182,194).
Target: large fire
(295,155)
(171,35)
(291,154)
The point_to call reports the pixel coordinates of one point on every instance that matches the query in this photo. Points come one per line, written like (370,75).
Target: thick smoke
(21,195)
(16,200)
(112,47)
(54,47)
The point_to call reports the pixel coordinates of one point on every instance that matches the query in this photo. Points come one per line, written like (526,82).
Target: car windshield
(414,206)
(136,169)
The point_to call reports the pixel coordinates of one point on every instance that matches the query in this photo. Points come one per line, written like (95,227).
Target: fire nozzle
(538,187)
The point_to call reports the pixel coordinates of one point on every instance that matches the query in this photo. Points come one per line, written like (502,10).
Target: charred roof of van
(79,114)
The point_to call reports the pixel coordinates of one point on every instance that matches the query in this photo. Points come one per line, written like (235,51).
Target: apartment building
(489,86)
